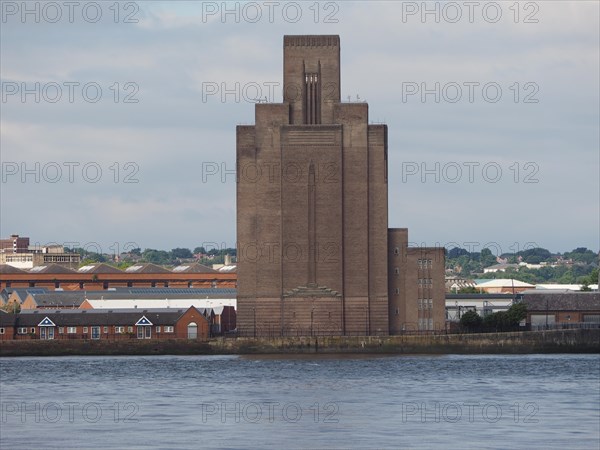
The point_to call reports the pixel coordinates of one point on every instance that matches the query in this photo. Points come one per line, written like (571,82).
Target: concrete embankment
(554,341)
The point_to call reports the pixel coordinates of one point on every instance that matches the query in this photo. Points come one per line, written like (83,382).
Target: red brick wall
(8,334)
(192,315)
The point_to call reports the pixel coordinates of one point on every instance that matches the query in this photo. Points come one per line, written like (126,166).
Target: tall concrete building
(312,207)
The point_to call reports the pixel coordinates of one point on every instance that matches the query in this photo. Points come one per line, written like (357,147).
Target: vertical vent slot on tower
(312,98)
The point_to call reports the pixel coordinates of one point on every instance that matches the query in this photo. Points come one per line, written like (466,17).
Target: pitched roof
(72,299)
(7,320)
(562,301)
(50,268)
(503,282)
(98,268)
(193,268)
(21,293)
(147,268)
(87,317)
(479,296)
(6,268)
(162,293)
(228,269)
(570,287)
(145,303)
(47,299)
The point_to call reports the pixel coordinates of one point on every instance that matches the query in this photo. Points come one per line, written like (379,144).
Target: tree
(181,253)
(582,255)
(159,257)
(199,250)
(468,290)
(516,313)
(456,252)
(592,278)
(13,307)
(495,321)
(487,258)
(535,255)
(471,320)
(506,320)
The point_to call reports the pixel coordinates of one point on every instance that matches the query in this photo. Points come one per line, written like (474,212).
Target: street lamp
(311,321)
(254,311)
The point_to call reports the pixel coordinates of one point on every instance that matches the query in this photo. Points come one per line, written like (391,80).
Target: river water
(335,401)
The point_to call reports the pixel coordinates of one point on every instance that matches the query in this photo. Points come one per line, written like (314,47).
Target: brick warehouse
(315,255)
(102,276)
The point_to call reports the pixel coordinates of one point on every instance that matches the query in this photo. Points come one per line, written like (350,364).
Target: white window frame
(169,329)
(71,330)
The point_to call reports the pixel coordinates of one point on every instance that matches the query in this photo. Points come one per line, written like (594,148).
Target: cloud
(172,52)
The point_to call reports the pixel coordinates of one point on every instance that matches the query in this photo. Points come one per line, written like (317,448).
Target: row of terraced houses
(100,324)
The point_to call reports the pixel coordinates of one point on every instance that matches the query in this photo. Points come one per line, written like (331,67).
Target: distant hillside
(537,265)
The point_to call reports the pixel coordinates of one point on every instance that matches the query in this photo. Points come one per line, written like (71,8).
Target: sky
(118,119)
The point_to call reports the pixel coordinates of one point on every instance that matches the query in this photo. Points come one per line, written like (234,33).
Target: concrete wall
(555,341)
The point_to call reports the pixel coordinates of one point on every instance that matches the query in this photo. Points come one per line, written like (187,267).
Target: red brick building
(14,244)
(103,276)
(105,325)
(562,309)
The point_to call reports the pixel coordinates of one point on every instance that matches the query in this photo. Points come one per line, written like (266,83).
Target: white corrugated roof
(161,303)
(502,282)
(569,287)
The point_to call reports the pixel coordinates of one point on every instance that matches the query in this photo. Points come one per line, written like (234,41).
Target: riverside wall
(551,341)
